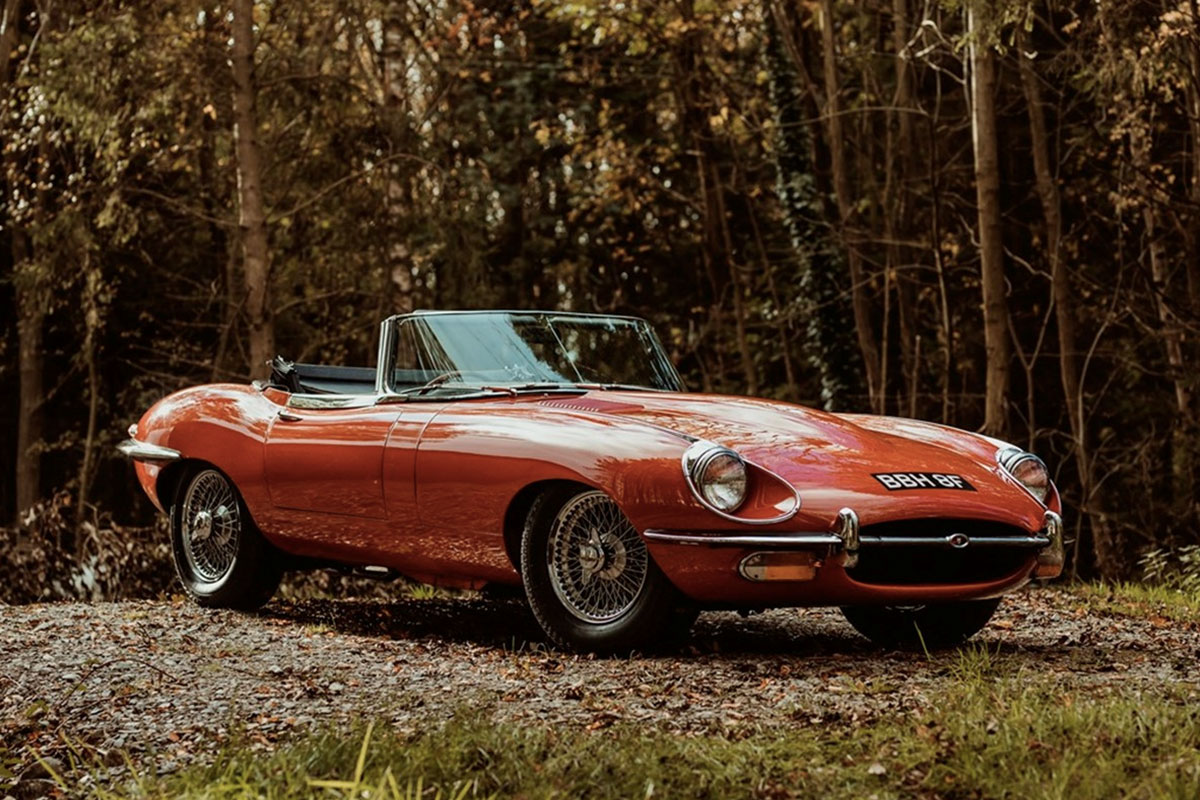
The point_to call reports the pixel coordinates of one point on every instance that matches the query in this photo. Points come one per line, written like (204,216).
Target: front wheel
(221,558)
(929,627)
(590,580)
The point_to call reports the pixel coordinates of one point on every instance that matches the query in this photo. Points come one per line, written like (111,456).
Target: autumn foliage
(980,213)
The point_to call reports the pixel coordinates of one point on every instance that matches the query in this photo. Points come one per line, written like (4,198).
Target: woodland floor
(171,681)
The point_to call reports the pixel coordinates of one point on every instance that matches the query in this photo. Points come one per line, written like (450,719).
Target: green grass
(994,732)
(1140,600)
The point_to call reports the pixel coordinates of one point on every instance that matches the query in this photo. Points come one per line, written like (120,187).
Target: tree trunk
(1172,336)
(830,348)
(1061,293)
(695,111)
(841,182)
(716,190)
(946,328)
(987,193)
(781,323)
(1193,105)
(1190,438)
(1063,297)
(91,323)
(31,315)
(252,218)
(400,277)
(29,307)
(32,296)
(899,146)
(214,196)
(1171,331)
(9,29)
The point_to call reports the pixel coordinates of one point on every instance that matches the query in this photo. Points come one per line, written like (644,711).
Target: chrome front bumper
(1051,557)
(846,541)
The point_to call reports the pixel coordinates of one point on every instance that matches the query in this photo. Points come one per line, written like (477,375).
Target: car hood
(832,459)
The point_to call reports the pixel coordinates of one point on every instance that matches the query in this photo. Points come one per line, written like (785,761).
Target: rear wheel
(221,558)
(590,580)
(927,627)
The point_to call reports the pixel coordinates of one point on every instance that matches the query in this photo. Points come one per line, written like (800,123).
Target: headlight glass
(1029,470)
(717,475)
(722,481)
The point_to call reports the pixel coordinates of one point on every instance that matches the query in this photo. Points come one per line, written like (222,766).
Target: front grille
(918,564)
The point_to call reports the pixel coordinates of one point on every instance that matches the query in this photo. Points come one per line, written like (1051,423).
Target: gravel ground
(171,679)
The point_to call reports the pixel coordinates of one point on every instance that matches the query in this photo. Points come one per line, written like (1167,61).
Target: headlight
(1029,471)
(717,475)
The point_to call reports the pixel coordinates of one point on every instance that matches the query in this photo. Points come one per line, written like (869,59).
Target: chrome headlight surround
(717,476)
(1029,471)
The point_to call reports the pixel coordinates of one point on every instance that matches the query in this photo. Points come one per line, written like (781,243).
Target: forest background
(985,214)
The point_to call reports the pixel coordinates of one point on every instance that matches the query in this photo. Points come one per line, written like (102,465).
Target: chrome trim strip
(837,540)
(144,451)
(327,401)
(736,540)
(957,541)
(390,328)
(1008,457)
(742,568)
(434,312)
(385,356)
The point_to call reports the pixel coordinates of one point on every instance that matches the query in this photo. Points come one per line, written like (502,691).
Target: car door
(324,454)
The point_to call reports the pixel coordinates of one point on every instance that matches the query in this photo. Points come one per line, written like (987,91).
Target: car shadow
(509,624)
(482,621)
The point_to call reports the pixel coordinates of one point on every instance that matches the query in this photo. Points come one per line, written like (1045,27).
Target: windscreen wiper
(514,390)
(464,392)
(617,387)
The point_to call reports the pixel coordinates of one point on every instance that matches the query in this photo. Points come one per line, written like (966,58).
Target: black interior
(322,379)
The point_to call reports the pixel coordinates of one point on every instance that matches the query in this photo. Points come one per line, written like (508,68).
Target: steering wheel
(435,382)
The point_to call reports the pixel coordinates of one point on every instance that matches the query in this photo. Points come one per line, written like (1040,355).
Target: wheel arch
(172,475)
(518,510)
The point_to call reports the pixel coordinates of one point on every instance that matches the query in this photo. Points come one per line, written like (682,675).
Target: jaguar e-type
(559,453)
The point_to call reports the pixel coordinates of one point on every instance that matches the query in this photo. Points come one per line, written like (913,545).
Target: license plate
(901,481)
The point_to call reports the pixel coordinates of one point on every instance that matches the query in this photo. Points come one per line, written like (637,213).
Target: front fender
(221,424)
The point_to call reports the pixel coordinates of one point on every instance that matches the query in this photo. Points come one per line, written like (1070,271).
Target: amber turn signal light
(779,567)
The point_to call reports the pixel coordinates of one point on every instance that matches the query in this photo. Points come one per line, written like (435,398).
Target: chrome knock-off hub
(202,526)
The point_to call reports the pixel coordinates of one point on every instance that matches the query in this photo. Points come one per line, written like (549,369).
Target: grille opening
(917,564)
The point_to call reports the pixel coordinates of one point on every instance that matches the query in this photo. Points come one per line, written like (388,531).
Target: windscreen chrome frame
(389,329)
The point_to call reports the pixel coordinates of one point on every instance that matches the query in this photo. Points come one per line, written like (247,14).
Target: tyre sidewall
(930,627)
(655,615)
(256,572)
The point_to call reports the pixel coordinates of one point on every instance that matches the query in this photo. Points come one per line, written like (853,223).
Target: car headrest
(284,375)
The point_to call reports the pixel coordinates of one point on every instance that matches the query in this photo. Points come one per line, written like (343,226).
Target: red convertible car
(559,452)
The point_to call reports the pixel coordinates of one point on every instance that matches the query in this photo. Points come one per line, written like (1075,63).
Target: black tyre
(590,580)
(221,558)
(930,627)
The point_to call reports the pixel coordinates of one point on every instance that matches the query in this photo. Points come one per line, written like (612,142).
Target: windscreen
(514,349)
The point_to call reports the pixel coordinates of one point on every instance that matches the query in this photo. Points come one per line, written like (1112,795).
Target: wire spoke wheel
(597,562)
(211,526)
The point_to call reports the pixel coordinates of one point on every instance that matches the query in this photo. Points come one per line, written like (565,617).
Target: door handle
(286,417)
